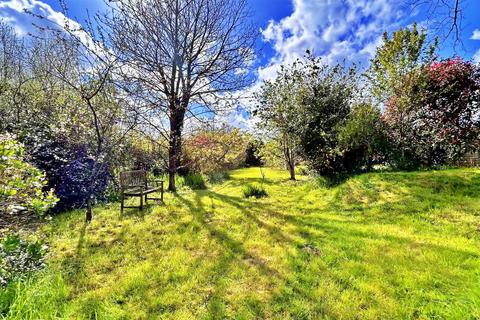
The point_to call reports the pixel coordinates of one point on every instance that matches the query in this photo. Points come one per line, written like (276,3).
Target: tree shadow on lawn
(318,231)
(291,285)
(235,252)
(222,237)
(240,182)
(73,267)
(312,232)
(348,230)
(246,207)
(312,220)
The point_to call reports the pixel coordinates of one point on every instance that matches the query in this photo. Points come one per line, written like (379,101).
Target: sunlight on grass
(378,246)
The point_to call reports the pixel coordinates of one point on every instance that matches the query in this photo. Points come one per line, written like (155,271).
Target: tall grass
(254,190)
(195,181)
(42,296)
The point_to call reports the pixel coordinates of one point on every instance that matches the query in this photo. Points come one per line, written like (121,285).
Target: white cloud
(476,56)
(13,12)
(338,31)
(475,35)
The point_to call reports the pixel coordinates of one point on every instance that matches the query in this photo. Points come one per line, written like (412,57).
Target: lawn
(377,246)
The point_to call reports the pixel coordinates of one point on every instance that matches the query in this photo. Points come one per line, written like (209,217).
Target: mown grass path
(378,246)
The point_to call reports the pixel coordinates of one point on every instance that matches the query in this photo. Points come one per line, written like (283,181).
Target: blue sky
(337,30)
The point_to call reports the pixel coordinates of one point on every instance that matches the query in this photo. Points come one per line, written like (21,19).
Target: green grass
(378,246)
(254,190)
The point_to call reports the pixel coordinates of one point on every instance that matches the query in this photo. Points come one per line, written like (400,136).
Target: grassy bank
(378,246)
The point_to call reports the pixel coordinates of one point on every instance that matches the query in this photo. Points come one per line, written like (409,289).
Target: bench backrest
(133,178)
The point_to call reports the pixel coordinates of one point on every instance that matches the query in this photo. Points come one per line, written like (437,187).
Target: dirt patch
(25,222)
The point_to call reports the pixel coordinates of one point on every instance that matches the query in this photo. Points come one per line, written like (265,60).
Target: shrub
(325,110)
(256,191)
(433,119)
(218,176)
(302,170)
(195,181)
(271,153)
(80,179)
(212,150)
(21,184)
(69,170)
(362,139)
(19,258)
(252,156)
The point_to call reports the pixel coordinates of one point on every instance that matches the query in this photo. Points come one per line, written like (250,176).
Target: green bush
(19,258)
(302,170)
(256,191)
(195,181)
(218,177)
(21,184)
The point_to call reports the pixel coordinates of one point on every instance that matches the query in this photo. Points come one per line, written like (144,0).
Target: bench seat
(137,192)
(135,184)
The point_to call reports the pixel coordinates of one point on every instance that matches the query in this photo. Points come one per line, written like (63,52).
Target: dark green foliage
(74,175)
(362,138)
(254,190)
(19,258)
(218,177)
(325,111)
(305,107)
(195,181)
(252,158)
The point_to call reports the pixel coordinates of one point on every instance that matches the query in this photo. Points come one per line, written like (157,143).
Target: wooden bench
(135,184)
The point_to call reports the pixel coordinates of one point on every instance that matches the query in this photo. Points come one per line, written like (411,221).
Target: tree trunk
(289,158)
(175,144)
(291,168)
(88,212)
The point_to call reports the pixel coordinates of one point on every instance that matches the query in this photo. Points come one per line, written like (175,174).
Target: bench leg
(146,199)
(141,201)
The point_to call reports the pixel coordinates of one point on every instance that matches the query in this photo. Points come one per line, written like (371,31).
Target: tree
(270,152)
(325,109)
(445,16)
(12,53)
(443,119)
(79,59)
(395,81)
(303,109)
(181,57)
(362,138)
(278,108)
(399,55)
(451,108)
(214,150)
